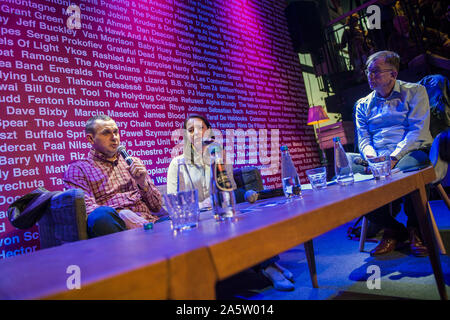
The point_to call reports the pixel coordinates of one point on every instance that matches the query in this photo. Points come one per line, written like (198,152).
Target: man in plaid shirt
(117,196)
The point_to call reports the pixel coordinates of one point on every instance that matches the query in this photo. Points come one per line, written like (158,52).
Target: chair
(65,219)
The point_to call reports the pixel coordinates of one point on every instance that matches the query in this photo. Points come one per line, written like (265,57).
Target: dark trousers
(382,216)
(104,220)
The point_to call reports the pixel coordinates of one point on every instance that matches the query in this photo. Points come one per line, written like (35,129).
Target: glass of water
(317,177)
(183,209)
(380,166)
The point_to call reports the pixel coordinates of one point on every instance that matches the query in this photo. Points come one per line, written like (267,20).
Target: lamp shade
(317,115)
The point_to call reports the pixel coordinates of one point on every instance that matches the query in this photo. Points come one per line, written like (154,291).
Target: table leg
(419,199)
(189,281)
(309,250)
(363,234)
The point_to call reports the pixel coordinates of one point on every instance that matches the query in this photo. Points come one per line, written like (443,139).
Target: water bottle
(289,175)
(223,200)
(342,167)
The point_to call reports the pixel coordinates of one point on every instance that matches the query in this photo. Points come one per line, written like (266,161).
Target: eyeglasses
(375,72)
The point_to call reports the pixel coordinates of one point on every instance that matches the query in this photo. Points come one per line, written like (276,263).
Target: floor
(344,273)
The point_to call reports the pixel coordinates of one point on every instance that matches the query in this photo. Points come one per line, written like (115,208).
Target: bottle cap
(335,139)
(148,226)
(284,148)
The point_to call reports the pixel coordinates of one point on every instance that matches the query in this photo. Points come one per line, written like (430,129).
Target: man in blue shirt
(394,119)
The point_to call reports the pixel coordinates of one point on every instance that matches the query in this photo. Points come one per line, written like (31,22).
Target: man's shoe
(417,246)
(279,282)
(388,243)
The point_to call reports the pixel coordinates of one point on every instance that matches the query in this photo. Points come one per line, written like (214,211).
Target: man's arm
(74,178)
(418,124)
(362,129)
(150,194)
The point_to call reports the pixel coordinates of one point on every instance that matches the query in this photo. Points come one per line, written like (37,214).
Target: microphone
(251,196)
(125,155)
(208,141)
(360,161)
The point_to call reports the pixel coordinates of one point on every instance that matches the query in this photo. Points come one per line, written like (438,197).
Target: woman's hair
(198,116)
(188,149)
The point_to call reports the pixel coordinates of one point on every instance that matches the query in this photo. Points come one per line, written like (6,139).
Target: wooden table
(160,264)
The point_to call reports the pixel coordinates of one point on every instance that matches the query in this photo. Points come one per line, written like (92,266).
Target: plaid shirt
(107,183)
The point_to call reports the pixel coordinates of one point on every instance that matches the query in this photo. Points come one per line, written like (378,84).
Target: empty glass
(380,166)
(317,178)
(183,209)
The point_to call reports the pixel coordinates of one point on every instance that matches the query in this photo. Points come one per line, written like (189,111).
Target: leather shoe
(418,249)
(279,282)
(388,243)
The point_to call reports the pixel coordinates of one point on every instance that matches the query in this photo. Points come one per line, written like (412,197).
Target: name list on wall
(147,64)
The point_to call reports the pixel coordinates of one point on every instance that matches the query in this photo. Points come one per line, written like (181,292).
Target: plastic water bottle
(289,175)
(342,167)
(223,200)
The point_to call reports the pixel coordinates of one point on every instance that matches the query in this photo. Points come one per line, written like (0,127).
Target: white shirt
(200,175)
(395,125)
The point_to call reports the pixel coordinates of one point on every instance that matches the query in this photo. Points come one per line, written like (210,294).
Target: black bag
(27,210)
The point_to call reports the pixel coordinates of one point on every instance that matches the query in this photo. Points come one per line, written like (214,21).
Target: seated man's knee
(104,220)
(413,160)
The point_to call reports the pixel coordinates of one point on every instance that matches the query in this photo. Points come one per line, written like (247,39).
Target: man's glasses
(375,72)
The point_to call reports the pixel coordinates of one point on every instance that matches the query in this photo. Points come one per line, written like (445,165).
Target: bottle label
(221,177)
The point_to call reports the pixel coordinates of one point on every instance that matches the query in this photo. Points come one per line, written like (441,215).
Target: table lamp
(316,115)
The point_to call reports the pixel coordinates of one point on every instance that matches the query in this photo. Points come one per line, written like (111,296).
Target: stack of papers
(358,178)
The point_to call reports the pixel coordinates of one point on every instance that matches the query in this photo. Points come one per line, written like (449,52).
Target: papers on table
(358,177)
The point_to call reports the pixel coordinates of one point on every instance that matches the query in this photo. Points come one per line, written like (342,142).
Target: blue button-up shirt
(394,125)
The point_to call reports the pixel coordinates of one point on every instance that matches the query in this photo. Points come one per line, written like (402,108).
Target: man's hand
(139,172)
(393,162)
(131,219)
(367,169)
